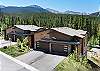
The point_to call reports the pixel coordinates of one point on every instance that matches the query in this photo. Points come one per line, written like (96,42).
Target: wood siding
(59,36)
(40,35)
(14,29)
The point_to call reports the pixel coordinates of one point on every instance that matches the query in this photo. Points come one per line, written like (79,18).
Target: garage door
(60,48)
(43,46)
(55,48)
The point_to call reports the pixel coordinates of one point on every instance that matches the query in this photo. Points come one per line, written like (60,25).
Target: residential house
(60,40)
(20,31)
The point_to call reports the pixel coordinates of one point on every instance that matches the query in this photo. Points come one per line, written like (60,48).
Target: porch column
(76,49)
(14,37)
(77,52)
(50,47)
(35,45)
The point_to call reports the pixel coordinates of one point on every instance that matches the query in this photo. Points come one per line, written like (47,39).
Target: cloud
(99,8)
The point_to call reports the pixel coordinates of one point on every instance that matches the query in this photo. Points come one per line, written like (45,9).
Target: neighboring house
(20,31)
(61,40)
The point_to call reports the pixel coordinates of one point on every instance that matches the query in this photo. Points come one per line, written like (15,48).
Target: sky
(87,6)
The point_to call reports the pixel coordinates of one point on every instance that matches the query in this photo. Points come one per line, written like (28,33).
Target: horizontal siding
(59,36)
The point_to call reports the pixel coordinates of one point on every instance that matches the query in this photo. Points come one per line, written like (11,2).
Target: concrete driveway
(40,60)
(8,63)
(6,43)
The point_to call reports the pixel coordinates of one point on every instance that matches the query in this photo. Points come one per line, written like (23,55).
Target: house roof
(81,32)
(64,30)
(28,27)
(70,31)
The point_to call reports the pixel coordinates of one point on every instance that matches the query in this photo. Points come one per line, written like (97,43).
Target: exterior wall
(31,41)
(59,36)
(49,33)
(43,46)
(9,30)
(14,29)
(39,35)
(83,46)
(80,47)
(17,31)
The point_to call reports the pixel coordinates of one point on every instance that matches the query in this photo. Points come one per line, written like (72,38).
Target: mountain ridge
(95,13)
(26,9)
(34,9)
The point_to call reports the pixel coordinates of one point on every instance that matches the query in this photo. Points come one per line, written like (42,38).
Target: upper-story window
(27,32)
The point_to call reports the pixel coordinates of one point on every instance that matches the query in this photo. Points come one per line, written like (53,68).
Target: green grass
(15,51)
(72,65)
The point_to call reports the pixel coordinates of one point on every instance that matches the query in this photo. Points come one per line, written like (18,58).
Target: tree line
(84,22)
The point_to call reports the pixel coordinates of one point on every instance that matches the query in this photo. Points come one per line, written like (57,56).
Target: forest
(91,24)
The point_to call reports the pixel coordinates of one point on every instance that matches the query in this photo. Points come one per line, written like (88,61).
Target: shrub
(25,41)
(18,43)
(5,47)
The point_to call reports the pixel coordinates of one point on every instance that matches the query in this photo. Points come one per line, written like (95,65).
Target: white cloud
(99,8)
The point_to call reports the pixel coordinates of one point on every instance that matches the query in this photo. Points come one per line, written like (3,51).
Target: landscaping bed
(14,51)
(70,64)
(18,49)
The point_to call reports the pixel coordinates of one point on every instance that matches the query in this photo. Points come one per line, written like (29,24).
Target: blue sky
(60,5)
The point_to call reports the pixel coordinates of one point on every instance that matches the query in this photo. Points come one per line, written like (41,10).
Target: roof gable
(70,31)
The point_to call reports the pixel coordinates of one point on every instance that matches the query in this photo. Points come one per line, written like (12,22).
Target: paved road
(8,63)
(41,61)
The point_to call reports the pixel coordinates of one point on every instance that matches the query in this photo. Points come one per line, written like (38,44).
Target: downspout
(34,41)
(82,47)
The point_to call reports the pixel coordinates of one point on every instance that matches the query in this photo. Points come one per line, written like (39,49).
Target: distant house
(61,40)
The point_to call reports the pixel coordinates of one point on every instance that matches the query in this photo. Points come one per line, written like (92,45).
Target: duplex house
(60,40)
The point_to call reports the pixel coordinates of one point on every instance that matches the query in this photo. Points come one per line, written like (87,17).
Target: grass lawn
(15,51)
(72,65)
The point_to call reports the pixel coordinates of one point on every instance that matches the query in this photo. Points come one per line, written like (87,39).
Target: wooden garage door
(59,48)
(43,46)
